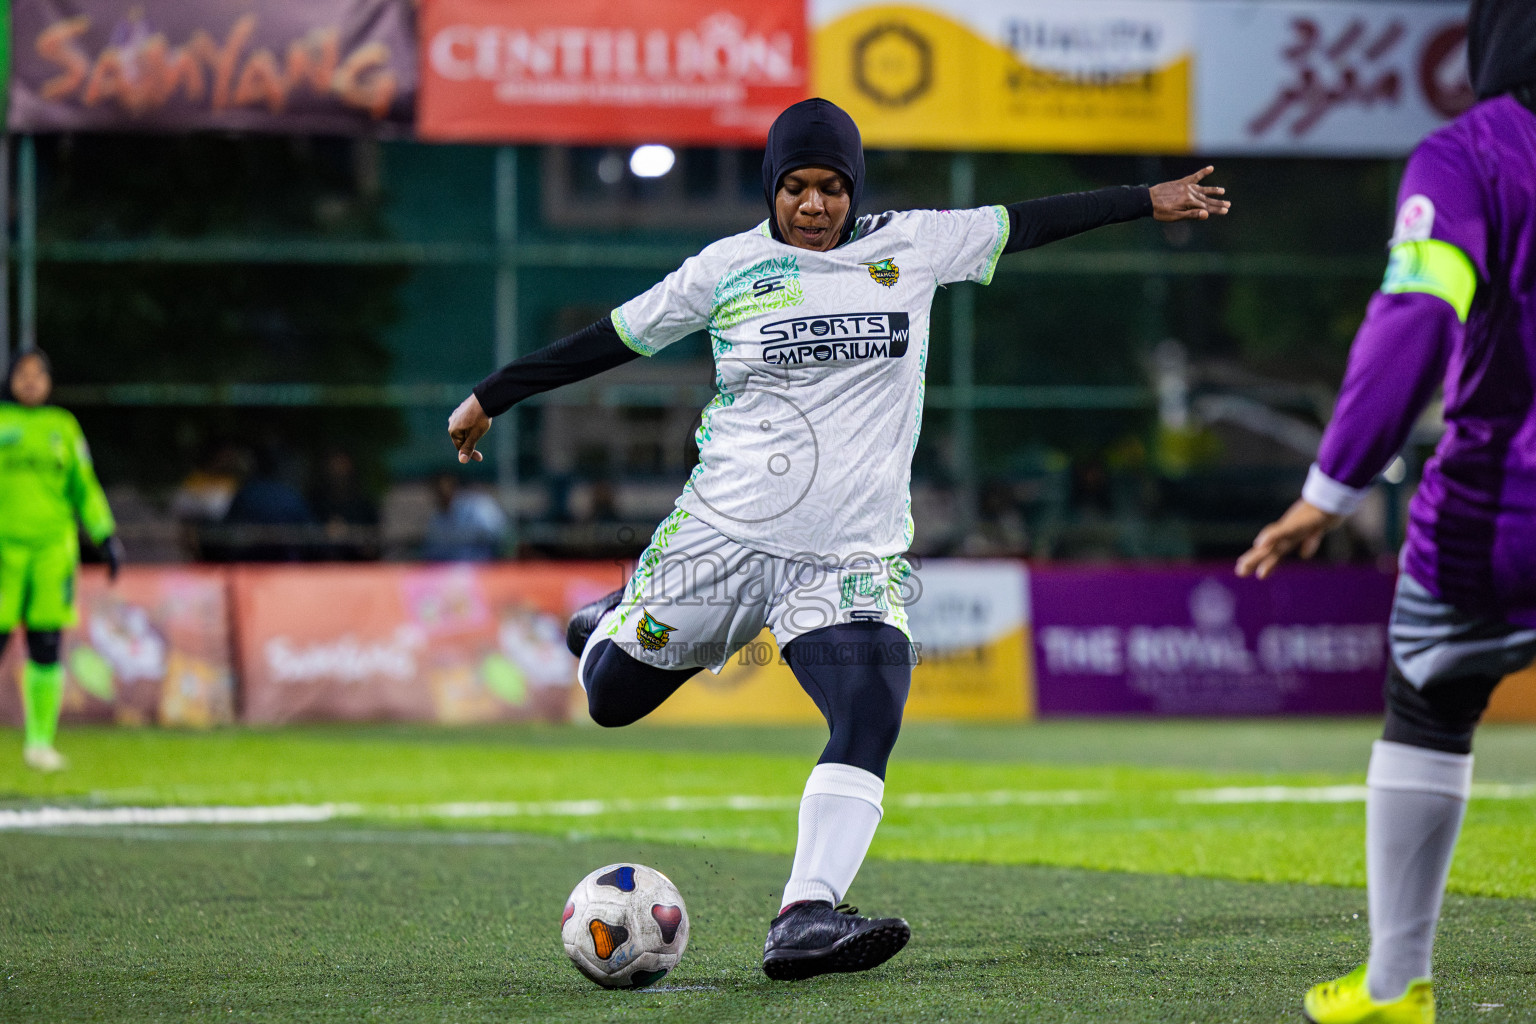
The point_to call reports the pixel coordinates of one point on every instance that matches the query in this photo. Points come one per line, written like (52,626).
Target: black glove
(112,553)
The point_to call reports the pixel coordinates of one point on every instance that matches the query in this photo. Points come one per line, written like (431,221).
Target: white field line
(61,817)
(1274,795)
(1008,798)
(53,817)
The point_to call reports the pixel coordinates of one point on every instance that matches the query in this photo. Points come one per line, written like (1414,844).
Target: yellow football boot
(1347,1000)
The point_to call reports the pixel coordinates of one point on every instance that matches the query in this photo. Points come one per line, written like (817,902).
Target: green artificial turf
(367,924)
(399,910)
(954,793)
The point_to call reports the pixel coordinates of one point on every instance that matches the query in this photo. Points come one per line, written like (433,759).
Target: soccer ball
(625,926)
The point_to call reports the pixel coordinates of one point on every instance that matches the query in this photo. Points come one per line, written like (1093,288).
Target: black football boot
(812,938)
(586,619)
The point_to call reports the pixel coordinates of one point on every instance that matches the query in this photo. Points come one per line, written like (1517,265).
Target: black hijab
(814,133)
(1501,45)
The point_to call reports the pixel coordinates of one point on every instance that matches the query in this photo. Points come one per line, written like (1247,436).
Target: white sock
(1413,815)
(838,816)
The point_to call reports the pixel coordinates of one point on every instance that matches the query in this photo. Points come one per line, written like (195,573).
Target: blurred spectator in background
(203,496)
(267,516)
(605,502)
(1000,529)
(350,517)
(469,526)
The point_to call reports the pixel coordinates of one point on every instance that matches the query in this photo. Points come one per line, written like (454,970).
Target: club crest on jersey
(884,271)
(653,635)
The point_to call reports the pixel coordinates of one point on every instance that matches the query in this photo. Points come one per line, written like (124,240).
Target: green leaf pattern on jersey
(897,569)
(909,526)
(739,296)
(706,431)
(639,585)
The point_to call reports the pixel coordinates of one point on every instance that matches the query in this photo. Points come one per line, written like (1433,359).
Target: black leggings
(42,645)
(858,674)
(1442,716)
(622,690)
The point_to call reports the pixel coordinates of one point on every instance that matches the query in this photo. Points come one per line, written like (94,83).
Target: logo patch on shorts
(884,271)
(859,588)
(653,635)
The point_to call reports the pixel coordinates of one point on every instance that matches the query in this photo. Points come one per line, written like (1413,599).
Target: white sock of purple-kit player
(1413,813)
(839,813)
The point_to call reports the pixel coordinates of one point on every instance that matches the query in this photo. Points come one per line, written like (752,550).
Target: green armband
(1434,268)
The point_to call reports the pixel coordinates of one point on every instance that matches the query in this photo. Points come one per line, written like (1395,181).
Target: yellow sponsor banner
(986,683)
(1090,76)
(970,620)
(744,691)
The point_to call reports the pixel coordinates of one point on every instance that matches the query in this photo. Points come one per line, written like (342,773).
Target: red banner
(443,643)
(151,648)
(322,66)
(589,71)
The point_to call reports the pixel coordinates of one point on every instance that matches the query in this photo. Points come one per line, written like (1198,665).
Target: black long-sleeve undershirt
(597,347)
(587,353)
(1038,221)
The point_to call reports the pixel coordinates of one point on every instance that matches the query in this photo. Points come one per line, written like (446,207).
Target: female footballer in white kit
(798,513)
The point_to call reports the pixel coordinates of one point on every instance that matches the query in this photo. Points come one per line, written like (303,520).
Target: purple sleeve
(1400,352)
(1442,197)
(1397,361)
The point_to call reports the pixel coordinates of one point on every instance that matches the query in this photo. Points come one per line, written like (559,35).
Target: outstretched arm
(669,311)
(587,353)
(1412,326)
(1397,361)
(1039,221)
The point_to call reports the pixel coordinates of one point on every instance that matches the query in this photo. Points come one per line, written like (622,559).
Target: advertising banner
(710,72)
(152,648)
(323,66)
(439,643)
(1298,77)
(968,619)
(1344,78)
(1515,699)
(485,643)
(1089,76)
(1202,642)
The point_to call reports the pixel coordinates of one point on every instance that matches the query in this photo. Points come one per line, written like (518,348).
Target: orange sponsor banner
(451,643)
(1515,699)
(709,72)
(152,648)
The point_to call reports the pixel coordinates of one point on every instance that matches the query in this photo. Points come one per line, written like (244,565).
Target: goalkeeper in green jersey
(46,482)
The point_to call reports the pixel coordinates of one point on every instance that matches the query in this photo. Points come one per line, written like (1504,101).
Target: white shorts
(697,598)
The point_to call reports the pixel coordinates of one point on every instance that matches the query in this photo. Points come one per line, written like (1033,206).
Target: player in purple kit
(1458,308)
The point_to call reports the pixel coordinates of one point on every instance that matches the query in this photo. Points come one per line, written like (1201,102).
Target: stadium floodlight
(651,161)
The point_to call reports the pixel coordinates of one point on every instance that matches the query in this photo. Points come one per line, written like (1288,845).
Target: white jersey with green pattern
(819,358)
